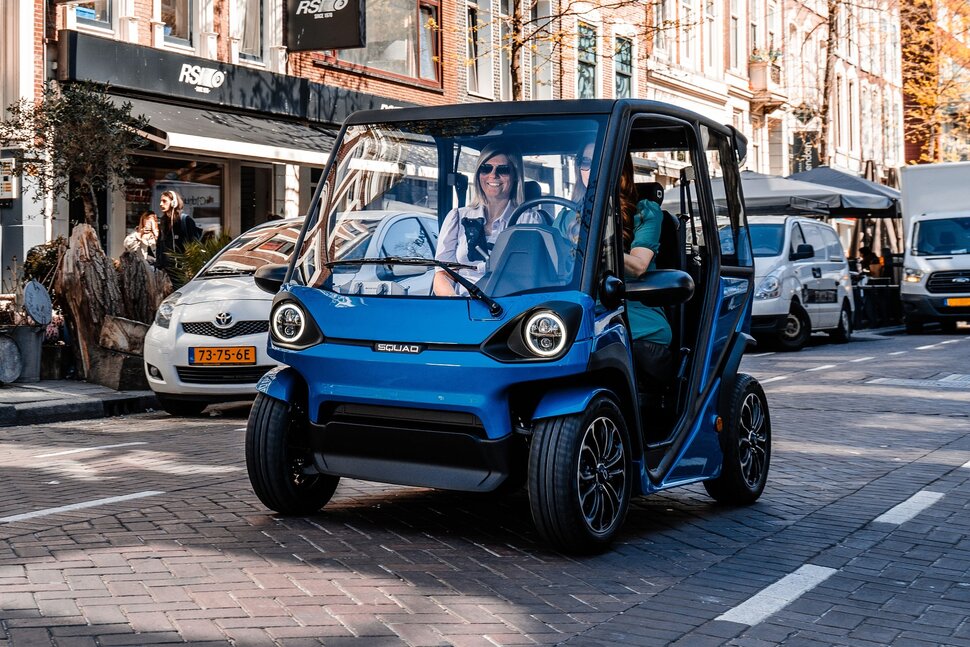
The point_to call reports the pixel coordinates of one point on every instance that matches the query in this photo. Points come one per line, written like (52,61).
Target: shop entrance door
(255,195)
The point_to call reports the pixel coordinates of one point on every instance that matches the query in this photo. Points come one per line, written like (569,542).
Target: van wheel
(746,444)
(796,331)
(913,327)
(176,407)
(279,460)
(581,477)
(949,326)
(843,333)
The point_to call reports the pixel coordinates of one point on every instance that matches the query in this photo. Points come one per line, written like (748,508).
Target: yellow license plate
(222,355)
(960,301)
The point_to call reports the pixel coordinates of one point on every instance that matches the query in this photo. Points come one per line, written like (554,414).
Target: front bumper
(918,307)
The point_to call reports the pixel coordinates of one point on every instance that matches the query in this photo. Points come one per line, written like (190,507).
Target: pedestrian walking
(177,229)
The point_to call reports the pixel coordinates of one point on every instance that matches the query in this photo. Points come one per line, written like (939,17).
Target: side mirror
(802,252)
(269,278)
(612,291)
(661,288)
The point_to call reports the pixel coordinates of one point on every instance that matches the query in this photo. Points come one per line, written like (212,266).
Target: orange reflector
(719,424)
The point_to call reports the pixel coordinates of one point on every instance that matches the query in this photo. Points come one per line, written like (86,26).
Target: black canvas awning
(199,130)
(828,176)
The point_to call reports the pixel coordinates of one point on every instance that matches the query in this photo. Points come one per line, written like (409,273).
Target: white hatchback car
(208,341)
(802,282)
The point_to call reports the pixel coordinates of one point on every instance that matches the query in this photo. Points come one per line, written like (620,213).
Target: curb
(33,413)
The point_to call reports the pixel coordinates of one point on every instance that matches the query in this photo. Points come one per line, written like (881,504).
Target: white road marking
(950,341)
(777,596)
(87,449)
(926,347)
(899,352)
(763,354)
(966,465)
(774,379)
(862,359)
(821,368)
(240,429)
(78,506)
(909,508)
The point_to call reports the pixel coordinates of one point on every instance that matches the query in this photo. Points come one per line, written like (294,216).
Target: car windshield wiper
(229,271)
(451,268)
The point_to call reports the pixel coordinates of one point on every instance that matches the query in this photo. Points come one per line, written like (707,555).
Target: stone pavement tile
(298,642)
(365,641)
(75,641)
(198,630)
(419,635)
(363,624)
(154,638)
(149,621)
(870,630)
(841,619)
(300,632)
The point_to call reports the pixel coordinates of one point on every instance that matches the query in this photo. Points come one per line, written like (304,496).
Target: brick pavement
(206,564)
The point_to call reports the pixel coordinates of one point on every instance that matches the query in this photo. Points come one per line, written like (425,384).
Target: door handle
(817,272)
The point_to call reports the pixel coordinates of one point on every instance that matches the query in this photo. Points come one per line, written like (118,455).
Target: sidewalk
(28,403)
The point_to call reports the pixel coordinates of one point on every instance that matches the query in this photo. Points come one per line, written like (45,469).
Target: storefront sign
(324,24)
(150,70)
(8,180)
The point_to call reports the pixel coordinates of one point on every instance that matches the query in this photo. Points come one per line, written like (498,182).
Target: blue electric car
(527,375)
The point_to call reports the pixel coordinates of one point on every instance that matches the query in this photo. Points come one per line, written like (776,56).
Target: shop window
(177,17)
(402,39)
(249,28)
(623,68)
(586,72)
(201,185)
(97,13)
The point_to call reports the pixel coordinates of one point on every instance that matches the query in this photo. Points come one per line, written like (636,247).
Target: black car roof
(527,108)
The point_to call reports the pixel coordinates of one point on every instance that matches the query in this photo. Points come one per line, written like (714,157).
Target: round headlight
(288,322)
(545,333)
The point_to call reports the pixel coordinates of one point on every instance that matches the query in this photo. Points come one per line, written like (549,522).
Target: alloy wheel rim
(601,475)
(793,326)
(752,440)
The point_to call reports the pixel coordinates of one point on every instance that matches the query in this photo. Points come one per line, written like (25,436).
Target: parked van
(936,267)
(802,280)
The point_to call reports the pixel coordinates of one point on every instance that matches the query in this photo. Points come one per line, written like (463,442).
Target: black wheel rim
(298,458)
(752,440)
(601,475)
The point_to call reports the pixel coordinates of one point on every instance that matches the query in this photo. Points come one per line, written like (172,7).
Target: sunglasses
(585,163)
(500,169)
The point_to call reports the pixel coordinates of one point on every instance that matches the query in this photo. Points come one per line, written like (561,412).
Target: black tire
(913,327)
(746,445)
(797,329)
(277,456)
(581,477)
(176,407)
(843,333)
(949,326)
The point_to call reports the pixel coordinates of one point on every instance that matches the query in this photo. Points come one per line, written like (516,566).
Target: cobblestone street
(144,530)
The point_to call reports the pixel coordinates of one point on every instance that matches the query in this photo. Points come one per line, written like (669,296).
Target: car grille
(209,329)
(943,282)
(221,374)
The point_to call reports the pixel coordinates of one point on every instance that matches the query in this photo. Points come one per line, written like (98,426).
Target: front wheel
(843,333)
(796,331)
(580,477)
(746,444)
(280,462)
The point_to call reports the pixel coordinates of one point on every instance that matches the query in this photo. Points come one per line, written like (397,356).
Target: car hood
(764,265)
(223,288)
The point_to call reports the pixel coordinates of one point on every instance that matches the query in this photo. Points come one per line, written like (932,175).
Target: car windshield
(255,248)
(399,193)
(943,236)
(767,240)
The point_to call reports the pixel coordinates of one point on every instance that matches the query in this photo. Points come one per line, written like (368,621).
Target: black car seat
(525,257)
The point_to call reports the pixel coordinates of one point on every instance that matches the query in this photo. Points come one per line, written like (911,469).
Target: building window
(402,38)
(479,55)
(96,13)
(542,54)
(689,39)
(661,17)
(249,28)
(586,68)
(623,68)
(177,18)
(710,14)
(505,43)
(734,37)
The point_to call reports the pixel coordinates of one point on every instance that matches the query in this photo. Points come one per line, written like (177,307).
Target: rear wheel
(796,331)
(280,461)
(177,407)
(580,477)
(843,333)
(746,444)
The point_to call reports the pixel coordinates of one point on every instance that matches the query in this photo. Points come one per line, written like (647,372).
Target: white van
(802,281)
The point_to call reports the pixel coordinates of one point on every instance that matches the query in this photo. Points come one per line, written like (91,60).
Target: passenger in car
(468,233)
(641,241)
(567,221)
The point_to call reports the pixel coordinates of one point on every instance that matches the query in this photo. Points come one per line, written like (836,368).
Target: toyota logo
(223,320)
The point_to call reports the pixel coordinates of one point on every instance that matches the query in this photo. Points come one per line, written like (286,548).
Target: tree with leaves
(936,75)
(74,133)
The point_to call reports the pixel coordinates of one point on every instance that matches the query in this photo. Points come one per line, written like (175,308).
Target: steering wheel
(543,199)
